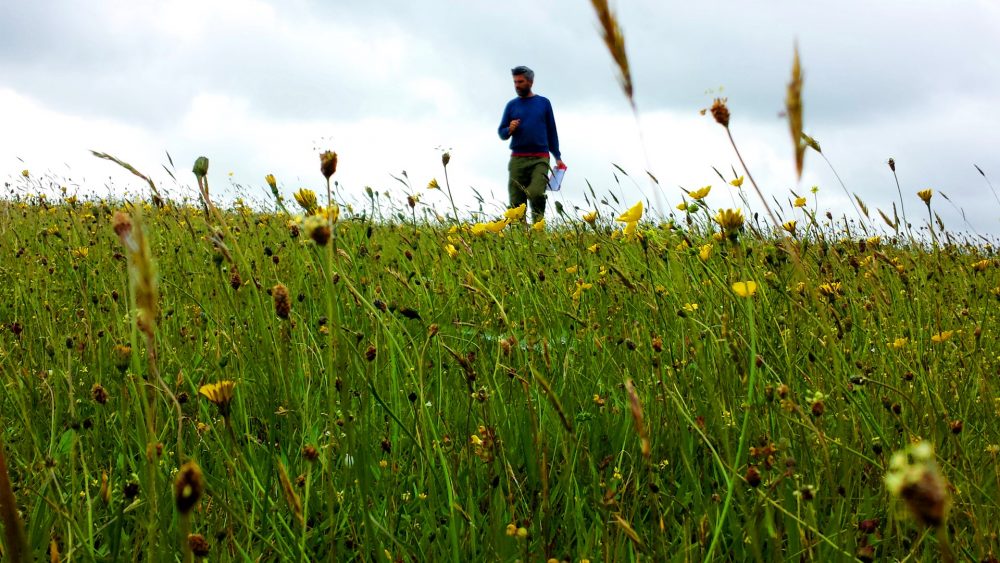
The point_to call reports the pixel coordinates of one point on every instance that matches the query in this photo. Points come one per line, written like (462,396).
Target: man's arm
(553,135)
(504,129)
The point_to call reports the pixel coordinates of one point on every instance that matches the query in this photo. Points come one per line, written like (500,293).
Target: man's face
(521,85)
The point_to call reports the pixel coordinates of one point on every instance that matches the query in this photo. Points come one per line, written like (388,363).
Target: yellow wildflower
(705,252)
(943,336)
(433,184)
(590,217)
(516,213)
(497,226)
(306,199)
(981,265)
(700,193)
(745,288)
(737,182)
(451,250)
(729,219)
(900,343)
(800,202)
(925,195)
(478,229)
(789,226)
(572,269)
(632,215)
(580,287)
(682,206)
(539,226)
(690,307)
(220,394)
(25,173)
(594,248)
(629,229)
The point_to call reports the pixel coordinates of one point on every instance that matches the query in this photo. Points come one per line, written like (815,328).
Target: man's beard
(523,92)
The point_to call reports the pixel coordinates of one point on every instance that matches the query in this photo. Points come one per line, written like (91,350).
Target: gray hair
(527,72)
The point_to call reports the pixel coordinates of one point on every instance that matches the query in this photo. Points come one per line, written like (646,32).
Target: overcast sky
(260,87)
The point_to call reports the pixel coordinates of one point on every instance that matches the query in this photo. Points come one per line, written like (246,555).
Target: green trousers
(529,177)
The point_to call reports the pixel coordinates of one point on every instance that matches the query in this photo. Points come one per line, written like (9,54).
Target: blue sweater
(537,131)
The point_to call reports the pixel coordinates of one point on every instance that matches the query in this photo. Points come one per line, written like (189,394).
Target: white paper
(555,180)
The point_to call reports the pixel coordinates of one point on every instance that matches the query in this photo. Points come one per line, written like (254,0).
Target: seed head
(282,303)
(235,281)
(198,545)
(914,477)
(445,158)
(328,163)
(188,487)
(99,394)
(720,112)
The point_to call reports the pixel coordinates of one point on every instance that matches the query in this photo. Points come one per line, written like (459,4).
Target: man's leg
(517,182)
(536,189)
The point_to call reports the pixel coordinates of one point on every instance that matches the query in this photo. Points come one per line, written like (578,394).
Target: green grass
(395,355)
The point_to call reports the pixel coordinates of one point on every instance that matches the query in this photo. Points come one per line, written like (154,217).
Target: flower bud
(200,167)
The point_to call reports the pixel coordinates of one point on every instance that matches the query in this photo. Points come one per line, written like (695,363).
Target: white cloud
(261,87)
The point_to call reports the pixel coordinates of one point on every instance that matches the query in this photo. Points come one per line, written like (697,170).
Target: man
(531,127)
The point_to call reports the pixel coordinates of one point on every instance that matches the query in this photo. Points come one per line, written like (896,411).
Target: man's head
(524,77)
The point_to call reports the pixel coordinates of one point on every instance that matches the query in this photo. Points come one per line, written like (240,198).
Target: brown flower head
(282,303)
(99,394)
(720,112)
(198,545)
(328,163)
(188,487)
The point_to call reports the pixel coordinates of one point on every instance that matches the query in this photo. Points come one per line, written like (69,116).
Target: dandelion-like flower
(451,250)
(981,265)
(831,290)
(306,199)
(737,182)
(926,195)
(705,252)
(729,219)
(272,183)
(433,184)
(590,217)
(515,214)
(632,215)
(219,394)
(539,226)
(789,226)
(914,477)
(580,287)
(943,336)
(800,202)
(745,288)
(700,193)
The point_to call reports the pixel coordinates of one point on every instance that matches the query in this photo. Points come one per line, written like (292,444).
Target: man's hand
(513,125)
(559,163)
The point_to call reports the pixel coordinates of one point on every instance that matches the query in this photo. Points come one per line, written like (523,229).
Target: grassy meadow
(185,381)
